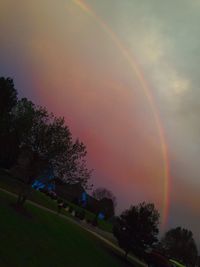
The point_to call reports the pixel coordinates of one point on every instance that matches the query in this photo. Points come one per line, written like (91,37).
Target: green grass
(177,263)
(12,185)
(45,239)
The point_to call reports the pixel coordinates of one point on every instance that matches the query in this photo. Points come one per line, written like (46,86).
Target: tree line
(137,230)
(32,140)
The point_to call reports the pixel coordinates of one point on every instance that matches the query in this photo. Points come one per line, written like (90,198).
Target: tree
(28,167)
(101,193)
(198,261)
(107,201)
(178,243)
(106,206)
(8,144)
(8,95)
(44,140)
(136,229)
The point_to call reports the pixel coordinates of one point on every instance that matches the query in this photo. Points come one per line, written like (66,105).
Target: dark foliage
(80,215)
(107,207)
(71,209)
(8,96)
(95,221)
(107,201)
(101,193)
(179,244)
(32,140)
(65,205)
(8,138)
(137,228)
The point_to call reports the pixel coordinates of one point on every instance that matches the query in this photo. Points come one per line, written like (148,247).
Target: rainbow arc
(147,91)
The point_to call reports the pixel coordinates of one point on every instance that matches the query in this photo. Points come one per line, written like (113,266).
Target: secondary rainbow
(137,71)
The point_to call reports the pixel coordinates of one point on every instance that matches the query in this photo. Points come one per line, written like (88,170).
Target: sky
(125,75)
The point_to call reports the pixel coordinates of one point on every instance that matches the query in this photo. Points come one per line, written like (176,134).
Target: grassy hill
(45,239)
(13,185)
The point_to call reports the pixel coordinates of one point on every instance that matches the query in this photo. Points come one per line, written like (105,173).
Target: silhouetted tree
(47,142)
(137,228)
(107,201)
(102,192)
(198,261)
(179,244)
(8,95)
(8,142)
(106,206)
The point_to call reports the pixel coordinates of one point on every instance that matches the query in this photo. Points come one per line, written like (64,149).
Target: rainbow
(137,71)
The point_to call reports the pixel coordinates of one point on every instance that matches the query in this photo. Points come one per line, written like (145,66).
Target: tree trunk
(23,195)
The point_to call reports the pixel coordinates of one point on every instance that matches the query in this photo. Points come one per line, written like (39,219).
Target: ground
(39,209)
(12,185)
(41,238)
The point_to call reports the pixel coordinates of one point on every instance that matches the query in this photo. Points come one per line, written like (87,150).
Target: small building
(45,181)
(72,192)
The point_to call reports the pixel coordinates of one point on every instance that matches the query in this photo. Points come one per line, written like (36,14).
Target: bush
(59,200)
(95,221)
(70,209)
(80,215)
(88,221)
(65,205)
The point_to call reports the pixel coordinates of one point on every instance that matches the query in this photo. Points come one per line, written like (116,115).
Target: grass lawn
(45,239)
(12,185)
(177,264)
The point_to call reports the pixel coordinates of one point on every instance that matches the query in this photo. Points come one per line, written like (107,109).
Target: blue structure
(101,216)
(45,181)
(84,198)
